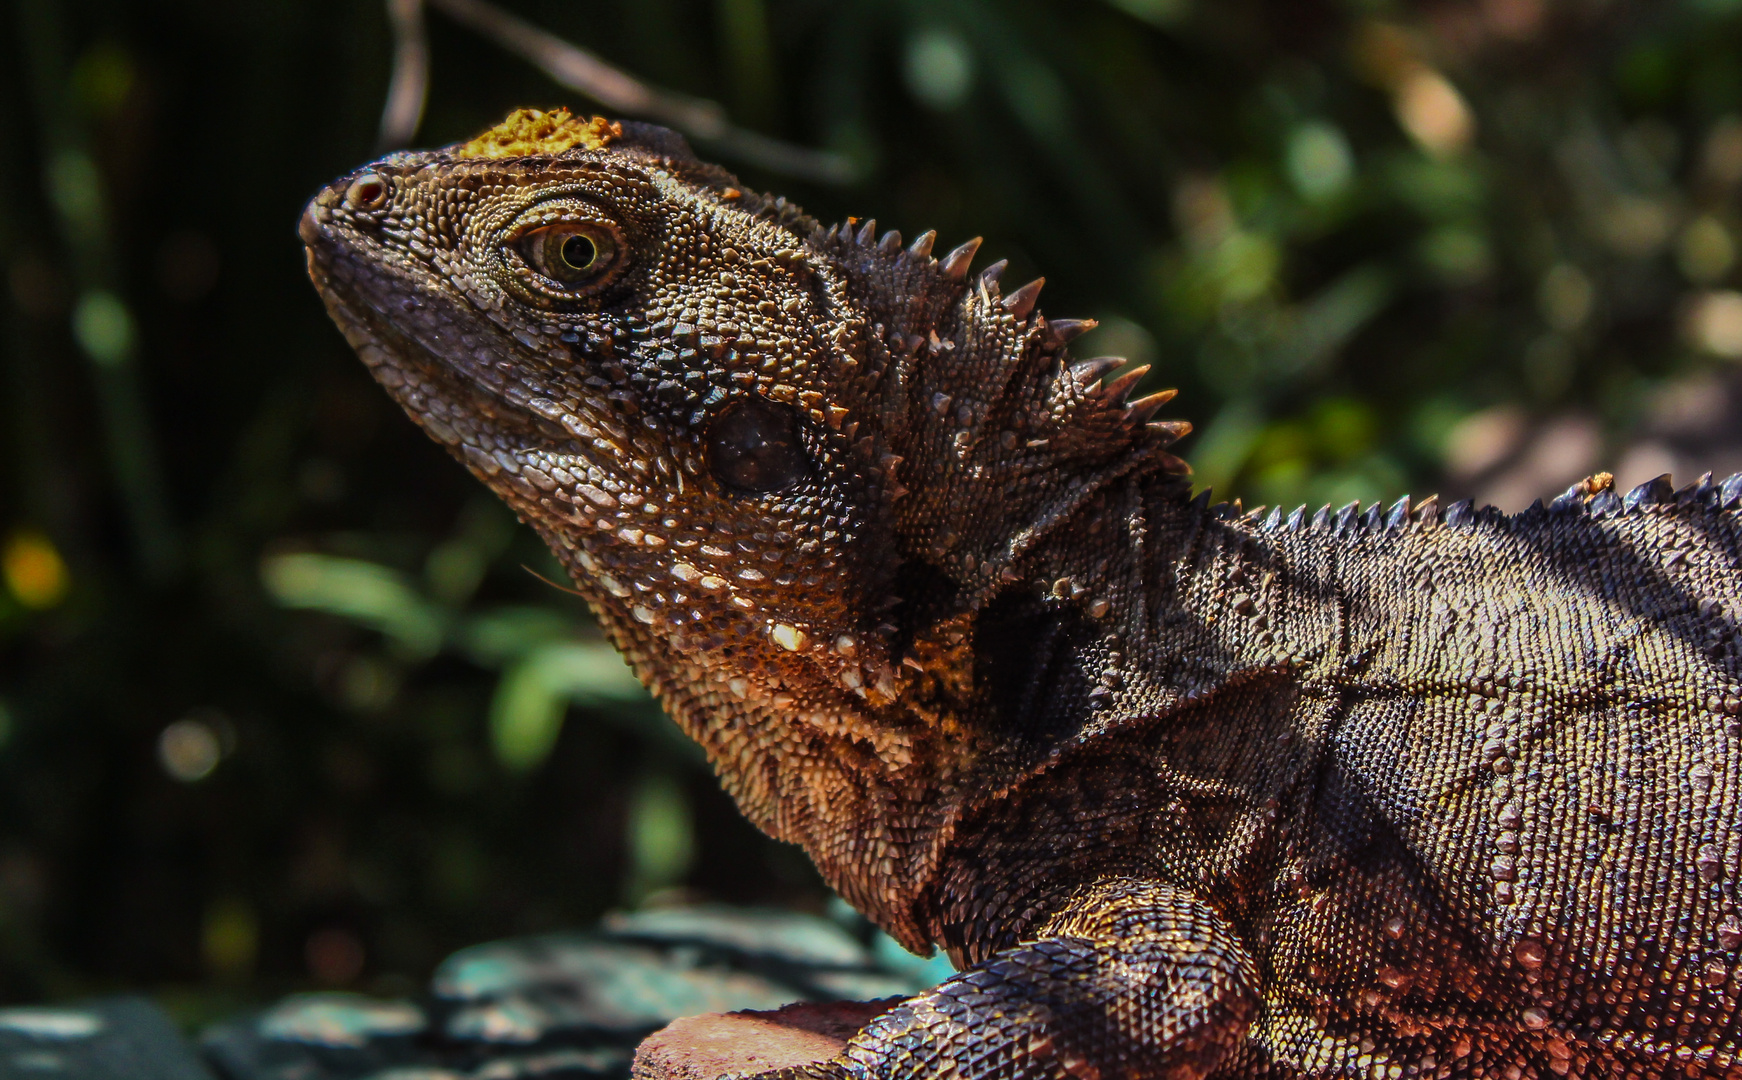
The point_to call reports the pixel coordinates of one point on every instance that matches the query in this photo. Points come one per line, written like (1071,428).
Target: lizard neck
(1150,662)
(1155,602)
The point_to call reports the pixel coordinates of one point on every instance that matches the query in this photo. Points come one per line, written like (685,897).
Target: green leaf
(504,634)
(363,592)
(662,841)
(526,714)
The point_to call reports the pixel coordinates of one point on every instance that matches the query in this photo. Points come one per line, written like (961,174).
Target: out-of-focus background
(281,705)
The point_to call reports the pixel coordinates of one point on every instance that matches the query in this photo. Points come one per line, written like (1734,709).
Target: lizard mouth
(442,371)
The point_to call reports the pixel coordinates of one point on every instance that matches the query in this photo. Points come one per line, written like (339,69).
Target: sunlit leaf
(661,837)
(526,713)
(364,592)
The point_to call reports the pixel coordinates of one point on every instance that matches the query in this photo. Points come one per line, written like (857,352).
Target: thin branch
(586,72)
(821,166)
(409,88)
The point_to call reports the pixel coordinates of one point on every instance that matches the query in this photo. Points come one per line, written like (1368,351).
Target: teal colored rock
(115,1039)
(560,1006)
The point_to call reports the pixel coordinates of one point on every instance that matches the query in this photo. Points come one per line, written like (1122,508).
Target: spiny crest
(1039,343)
(1000,430)
(1593,496)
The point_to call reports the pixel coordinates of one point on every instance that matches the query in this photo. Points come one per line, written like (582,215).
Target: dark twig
(585,72)
(409,88)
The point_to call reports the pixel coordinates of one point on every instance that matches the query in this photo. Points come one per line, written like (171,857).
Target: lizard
(1183,790)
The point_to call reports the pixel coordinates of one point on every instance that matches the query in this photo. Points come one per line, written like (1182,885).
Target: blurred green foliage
(279,705)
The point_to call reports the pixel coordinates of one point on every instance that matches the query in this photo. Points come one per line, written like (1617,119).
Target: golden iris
(574,254)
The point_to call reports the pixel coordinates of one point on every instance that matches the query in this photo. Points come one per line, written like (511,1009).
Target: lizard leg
(1129,980)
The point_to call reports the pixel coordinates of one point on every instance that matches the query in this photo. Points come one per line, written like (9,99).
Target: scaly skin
(1190,792)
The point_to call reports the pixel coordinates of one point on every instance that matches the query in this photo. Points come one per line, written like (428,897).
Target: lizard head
(783,462)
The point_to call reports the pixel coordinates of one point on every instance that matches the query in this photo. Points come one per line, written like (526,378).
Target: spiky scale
(1088,372)
(921,246)
(1568,501)
(1730,491)
(1169,431)
(1347,516)
(1021,302)
(1653,492)
(1696,493)
(989,276)
(955,265)
(1116,390)
(1374,518)
(1065,331)
(1140,410)
(1460,514)
(1399,514)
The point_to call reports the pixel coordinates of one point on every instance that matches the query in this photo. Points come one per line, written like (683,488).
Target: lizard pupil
(753,446)
(579,252)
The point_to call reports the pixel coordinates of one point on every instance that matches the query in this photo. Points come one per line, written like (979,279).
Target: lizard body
(1187,791)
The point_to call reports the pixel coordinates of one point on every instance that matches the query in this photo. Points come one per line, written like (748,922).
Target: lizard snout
(308,228)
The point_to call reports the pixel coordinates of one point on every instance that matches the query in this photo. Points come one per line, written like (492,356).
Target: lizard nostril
(367,192)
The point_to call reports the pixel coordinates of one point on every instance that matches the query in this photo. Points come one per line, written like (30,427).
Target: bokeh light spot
(1343,427)
(1245,265)
(940,68)
(189,749)
(1635,226)
(1715,323)
(1433,112)
(1566,297)
(1483,440)
(103,77)
(1722,156)
(1319,160)
(1705,251)
(34,571)
(104,327)
(334,956)
(1459,254)
(230,938)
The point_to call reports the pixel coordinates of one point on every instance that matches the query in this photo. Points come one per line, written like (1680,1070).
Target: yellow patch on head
(529,131)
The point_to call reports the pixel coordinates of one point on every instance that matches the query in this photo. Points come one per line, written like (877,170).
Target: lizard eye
(367,192)
(577,255)
(753,446)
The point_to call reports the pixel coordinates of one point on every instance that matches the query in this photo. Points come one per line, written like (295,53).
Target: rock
(113,1039)
(707,1046)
